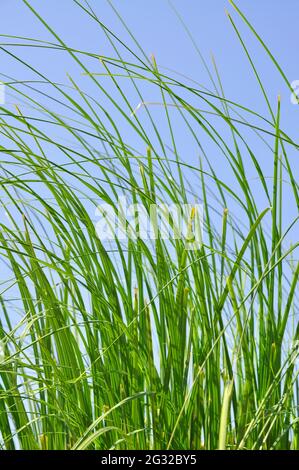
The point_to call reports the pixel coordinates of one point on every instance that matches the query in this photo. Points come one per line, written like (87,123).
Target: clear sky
(157,28)
(159,31)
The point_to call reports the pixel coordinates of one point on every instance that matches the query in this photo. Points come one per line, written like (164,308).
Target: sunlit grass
(144,344)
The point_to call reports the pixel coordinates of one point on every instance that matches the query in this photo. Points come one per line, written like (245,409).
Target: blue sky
(159,31)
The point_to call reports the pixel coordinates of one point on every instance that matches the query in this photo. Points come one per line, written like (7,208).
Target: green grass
(145,345)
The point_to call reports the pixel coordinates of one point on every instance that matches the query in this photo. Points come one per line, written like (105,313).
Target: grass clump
(144,344)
